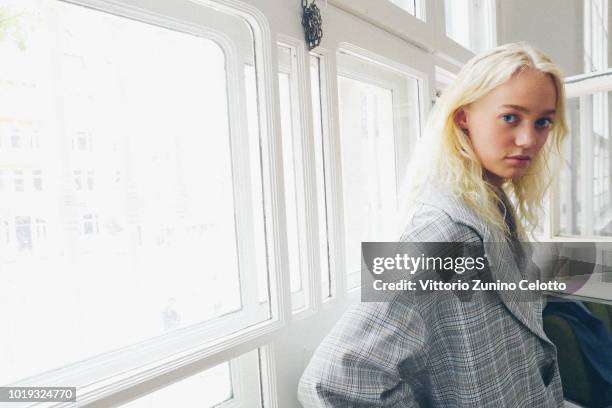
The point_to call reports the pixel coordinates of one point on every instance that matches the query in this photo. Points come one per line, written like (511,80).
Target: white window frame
(428,34)
(101,373)
(583,87)
(384,64)
(322,149)
(304,171)
(479,11)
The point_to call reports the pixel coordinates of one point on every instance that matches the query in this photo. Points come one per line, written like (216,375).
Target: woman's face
(509,126)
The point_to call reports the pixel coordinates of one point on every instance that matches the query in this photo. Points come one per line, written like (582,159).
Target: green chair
(580,384)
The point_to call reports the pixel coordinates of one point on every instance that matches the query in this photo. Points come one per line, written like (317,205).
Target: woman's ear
(461,120)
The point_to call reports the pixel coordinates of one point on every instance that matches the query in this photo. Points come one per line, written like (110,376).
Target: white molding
(200,357)
(428,35)
(322,55)
(334,186)
(394,20)
(312,217)
(574,238)
(305,165)
(586,84)
(269,381)
(271,149)
(244,374)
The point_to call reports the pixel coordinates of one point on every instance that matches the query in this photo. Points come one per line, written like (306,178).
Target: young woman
(493,132)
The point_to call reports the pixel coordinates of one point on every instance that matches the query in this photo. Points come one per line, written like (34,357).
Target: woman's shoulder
(431,223)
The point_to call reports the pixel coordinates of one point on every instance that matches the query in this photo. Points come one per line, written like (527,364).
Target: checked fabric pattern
(441,352)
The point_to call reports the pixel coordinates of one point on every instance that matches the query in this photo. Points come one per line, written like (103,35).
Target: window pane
(413,7)
(234,383)
(207,389)
(125,207)
(457,13)
(596,35)
(585,209)
(470,23)
(378,122)
(317,123)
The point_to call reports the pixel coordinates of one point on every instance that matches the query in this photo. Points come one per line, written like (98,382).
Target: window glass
(130,136)
(206,390)
(232,383)
(379,120)
(596,35)
(470,23)
(414,7)
(585,208)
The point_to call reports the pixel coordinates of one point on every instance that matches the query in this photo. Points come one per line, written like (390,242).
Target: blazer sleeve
(376,355)
(372,358)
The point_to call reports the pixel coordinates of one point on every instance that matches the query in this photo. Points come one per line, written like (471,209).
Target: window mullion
(308,218)
(586,165)
(331,145)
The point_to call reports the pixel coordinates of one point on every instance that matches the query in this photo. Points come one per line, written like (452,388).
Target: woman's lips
(519,160)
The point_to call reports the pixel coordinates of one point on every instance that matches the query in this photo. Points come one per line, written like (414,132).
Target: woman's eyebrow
(525,110)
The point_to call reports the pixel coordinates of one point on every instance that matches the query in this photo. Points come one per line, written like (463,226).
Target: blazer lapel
(500,257)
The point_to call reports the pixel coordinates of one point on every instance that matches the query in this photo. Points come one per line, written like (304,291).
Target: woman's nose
(527,137)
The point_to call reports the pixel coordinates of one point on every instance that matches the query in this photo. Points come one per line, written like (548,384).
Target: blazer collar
(499,255)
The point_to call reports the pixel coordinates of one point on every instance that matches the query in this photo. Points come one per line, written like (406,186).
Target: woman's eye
(543,123)
(509,118)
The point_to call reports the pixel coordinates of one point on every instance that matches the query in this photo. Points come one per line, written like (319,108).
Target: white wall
(554,26)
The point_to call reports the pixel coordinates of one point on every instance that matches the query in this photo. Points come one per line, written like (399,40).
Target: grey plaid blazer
(444,352)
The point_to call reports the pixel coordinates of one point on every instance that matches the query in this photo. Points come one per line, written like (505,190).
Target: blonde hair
(445,155)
